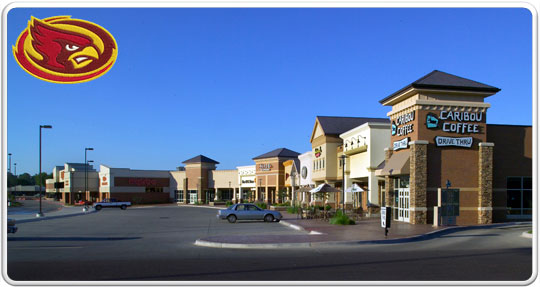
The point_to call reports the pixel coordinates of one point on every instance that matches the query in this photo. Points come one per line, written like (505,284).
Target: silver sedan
(248,211)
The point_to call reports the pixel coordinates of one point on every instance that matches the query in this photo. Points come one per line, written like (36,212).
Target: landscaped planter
(212,203)
(278,208)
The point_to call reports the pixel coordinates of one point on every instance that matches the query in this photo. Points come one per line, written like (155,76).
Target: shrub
(342,219)
(228,203)
(328,207)
(283,204)
(293,209)
(198,203)
(261,204)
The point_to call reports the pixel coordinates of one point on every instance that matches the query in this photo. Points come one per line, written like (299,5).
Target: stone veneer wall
(418,182)
(485,183)
(388,183)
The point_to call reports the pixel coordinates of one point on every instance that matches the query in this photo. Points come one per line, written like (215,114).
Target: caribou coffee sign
(455,122)
(402,126)
(265,167)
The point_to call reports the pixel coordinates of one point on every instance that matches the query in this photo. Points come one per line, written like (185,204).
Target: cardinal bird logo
(65,50)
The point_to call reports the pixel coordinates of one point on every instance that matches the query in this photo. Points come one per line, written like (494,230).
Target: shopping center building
(270,175)
(69,182)
(444,158)
(434,159)
(362,145)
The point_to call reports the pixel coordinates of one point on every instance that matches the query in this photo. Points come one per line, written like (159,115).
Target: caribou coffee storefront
(445,164)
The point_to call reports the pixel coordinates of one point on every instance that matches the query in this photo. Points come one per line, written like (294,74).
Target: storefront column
(185,191)
(418,182)
(485,183)
(240,194)
(388,182)
(373,189)
(234,195)
(266,194)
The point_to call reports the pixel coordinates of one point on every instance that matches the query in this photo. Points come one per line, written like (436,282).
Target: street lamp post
(86,169)
(9,156)
(40,214)
(15,167)
(86,180)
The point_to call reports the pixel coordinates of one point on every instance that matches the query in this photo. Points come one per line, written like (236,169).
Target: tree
(44,177)
(25,179)
(11,180)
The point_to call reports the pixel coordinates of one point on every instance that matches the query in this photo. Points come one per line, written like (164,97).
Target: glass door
(403,198)
(193,197)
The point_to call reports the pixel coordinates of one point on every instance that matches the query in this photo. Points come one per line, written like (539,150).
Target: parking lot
(157,244)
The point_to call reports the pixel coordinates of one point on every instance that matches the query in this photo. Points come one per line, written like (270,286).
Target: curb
(526,234)
(426,236)
(293,226)
(200,206)
(54,217)
(205,243)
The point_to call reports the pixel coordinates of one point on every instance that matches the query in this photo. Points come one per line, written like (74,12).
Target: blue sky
(232,84)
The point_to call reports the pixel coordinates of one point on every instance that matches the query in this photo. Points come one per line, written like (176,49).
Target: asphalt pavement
(157,244)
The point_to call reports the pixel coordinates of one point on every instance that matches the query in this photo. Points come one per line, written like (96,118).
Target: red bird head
(62,49)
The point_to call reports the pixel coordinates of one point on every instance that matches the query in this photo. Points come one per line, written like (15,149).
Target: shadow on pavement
(70,238)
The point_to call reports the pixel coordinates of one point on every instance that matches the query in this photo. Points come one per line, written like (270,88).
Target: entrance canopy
(399,163)
(325,187)
(354,188)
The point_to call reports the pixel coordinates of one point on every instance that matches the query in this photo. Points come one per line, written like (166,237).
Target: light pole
(86,169)
(343,157)
(293,182)
(85,208)
(15,166)
(40,214)
(9,156)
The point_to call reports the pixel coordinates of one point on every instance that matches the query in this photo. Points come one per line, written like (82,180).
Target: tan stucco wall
(222,178)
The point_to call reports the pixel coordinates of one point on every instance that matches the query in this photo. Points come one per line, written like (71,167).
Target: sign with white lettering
(450,141)
(265,167)
(386,217)
(455,122)
(401,126)
(401,144)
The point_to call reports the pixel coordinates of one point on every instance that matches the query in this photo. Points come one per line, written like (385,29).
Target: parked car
(111,202)
(248,211)
(11,228)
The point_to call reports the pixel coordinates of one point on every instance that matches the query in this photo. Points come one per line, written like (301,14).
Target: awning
(399,163)
(354,188)
(325,187)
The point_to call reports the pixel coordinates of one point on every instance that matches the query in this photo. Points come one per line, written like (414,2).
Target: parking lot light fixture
(86,169)
(40,213)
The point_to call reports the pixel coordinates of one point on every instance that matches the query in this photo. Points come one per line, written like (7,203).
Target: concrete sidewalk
(318,232)
(62,211)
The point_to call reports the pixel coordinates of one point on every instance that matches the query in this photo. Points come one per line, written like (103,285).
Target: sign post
(386,218)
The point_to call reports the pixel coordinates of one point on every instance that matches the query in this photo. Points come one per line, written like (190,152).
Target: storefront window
(519,196)
(179,195)
(154,189)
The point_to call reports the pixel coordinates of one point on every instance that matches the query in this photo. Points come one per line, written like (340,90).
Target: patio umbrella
(325,187)
(355,188)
